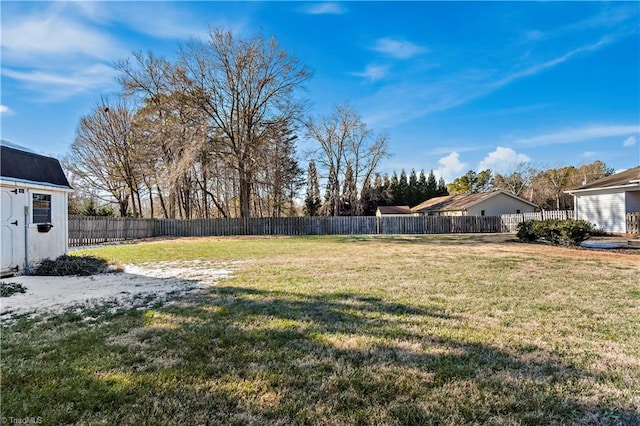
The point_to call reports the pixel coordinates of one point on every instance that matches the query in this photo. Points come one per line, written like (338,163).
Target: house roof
(23,165)
(628,177)
(460,202)
(394,209)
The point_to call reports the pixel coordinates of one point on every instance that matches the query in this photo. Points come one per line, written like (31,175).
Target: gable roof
(461,202)
(22,165)
(394,210)
(629,177)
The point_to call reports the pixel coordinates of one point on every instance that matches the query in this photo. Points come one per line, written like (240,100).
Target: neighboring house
(34,208)
(393,211)
(494,203)
(606,202)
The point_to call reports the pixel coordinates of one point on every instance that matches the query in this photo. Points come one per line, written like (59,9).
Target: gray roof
(628,177)
(462,202)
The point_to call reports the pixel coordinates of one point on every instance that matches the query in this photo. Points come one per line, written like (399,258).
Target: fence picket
(633,223)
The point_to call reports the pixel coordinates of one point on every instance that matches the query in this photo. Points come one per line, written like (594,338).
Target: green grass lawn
(462,329)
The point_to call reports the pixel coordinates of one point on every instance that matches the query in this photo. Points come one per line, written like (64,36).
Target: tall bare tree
(247,89)
(103,154)
(343,138)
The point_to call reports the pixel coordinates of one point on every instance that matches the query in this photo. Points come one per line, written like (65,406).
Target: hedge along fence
(85,230)
(556,231)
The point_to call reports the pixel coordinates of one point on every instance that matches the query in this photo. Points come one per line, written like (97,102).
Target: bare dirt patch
(151,282)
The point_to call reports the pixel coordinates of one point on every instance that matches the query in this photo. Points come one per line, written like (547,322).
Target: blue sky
(455,85)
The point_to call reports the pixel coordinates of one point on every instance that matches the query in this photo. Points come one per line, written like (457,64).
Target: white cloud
(630,141)
(325,9)
(502,159)
(167,21)
(5,109)
(580,134)
(373,72)
(450,167)
(399,49)
(589,154)
(53,86)
(53,37)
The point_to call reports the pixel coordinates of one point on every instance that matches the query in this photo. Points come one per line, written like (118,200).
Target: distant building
(494,203)
(393,211)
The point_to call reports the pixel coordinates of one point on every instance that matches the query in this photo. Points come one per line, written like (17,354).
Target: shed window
(518,211)
(41,208)
(482,212)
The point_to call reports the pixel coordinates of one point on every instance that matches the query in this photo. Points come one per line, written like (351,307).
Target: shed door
(12,229)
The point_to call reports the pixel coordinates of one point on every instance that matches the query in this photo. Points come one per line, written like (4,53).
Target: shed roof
(22,165)
(462,202)
(394,210)
(627,177)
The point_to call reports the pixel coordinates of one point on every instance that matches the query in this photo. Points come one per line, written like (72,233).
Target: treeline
(210,133)
(213,133)
(381,190)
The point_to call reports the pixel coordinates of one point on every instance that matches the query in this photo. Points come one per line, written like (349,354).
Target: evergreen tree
(392,190)
(330,205)
(433,189)
(312,201)
(378,191)
(89,209)
(423,194)
(368,202)
(414,195)
(349,197)
(402,193)
(442,188)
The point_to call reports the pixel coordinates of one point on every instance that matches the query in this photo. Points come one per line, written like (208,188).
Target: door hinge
(15,191)
(15,222)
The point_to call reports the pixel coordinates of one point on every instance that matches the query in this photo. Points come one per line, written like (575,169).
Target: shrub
(8,289)
(73,265)
(526,231)
(564,232)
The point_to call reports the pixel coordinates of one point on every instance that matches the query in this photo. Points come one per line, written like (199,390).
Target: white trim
(43,186)
(632,187)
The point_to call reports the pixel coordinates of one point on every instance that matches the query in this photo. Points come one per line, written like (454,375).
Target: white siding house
(33,206)
(606,202)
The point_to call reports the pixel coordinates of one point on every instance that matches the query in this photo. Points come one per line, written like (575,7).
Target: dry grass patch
(469,329)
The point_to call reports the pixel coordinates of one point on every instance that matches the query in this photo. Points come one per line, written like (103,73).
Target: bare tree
(103,157)
(343,138)
(247,90)
(518,181)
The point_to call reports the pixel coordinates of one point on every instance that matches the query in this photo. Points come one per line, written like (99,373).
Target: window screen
(41,208)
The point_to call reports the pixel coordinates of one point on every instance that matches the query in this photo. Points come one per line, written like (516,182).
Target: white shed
(34,223)
(606,202)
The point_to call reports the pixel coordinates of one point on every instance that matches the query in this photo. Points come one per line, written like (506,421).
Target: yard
(408,330)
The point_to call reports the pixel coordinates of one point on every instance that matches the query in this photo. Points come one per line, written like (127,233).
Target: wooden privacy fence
(633,223)
(439,224)
(85,230)
(88,230)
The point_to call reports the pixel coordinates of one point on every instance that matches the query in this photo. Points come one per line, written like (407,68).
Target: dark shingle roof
(21,165)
